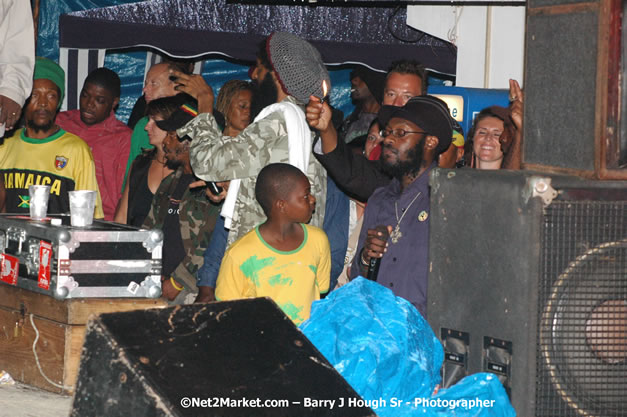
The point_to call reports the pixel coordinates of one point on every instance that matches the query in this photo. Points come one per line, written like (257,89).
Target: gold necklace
(396,233)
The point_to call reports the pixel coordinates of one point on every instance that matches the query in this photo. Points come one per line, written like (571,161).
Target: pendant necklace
(396,233)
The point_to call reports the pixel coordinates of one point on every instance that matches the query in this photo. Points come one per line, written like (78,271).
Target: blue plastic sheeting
(377,341)
(477,395)
(130,67)
(130,64)
(49,12)
(388,353)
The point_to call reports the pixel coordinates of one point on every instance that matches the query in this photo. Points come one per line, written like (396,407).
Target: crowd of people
(264,191)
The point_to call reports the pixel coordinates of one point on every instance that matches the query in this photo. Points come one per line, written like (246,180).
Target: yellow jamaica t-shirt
(63,161)
(252,268)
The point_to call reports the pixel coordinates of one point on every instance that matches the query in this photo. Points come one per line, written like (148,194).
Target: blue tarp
(388,353)
(130,64)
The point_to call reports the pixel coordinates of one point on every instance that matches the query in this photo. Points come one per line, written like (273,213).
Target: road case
(104,259)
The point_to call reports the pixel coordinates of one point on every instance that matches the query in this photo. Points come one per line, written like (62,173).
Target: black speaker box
(529,281)
(572,88)
(237,358)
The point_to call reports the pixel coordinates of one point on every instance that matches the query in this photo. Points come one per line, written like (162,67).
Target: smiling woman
(492,127)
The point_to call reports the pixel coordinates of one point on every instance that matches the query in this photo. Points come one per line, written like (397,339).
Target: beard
(264,95)
(179,155)
(358,96)
(173,164)
(411,165)
(40,127)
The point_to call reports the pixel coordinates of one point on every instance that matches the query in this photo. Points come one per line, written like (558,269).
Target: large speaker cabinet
(529,281)
(575,59)
(235,358)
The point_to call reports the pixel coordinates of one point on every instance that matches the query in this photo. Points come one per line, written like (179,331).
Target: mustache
(46,112)
(389,148)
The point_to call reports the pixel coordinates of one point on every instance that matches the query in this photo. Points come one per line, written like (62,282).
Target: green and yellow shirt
(252,268)
(63,161)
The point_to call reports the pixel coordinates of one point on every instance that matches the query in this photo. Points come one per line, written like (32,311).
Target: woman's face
(373,139)
(155,134)
(238,115)
(487,147)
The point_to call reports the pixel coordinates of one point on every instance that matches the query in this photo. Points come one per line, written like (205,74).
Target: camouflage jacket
(197,216)
(220,158)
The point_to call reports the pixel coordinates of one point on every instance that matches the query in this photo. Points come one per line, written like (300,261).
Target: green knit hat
(50,70)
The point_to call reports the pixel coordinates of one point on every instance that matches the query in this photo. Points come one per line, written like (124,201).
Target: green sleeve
(139,141)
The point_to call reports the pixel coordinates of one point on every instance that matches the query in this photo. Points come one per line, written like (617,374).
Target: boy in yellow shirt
(283,258)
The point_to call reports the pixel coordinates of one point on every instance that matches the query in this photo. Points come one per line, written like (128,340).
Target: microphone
(373,265)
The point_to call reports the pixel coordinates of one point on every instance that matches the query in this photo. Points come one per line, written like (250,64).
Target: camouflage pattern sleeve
(219,158)
(197,216)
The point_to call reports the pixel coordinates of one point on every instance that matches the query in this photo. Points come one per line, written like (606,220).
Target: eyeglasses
(397,133)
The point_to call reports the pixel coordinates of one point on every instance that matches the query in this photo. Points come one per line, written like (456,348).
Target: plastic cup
(38,201)
(82,203)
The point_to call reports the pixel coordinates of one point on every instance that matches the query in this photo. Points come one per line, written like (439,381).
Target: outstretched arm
(353,173)
(218,158)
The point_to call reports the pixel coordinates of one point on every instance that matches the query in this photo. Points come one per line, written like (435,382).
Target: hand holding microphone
(374,248)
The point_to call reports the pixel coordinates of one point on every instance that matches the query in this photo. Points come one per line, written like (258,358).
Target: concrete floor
(21,400)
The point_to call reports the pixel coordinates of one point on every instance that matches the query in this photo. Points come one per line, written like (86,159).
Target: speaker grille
(582,316)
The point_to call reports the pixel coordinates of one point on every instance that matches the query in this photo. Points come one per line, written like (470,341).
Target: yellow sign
(455,104)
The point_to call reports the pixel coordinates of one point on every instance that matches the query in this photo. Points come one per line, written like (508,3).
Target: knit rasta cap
(50,70)
(297,65)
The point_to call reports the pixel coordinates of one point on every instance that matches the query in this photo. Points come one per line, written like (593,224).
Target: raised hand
(516,98)
(196,86)
(318,114)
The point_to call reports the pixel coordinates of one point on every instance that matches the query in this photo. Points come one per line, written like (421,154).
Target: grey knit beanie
(298,66)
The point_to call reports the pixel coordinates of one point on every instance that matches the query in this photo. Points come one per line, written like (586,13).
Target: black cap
(428,112)
(178,119)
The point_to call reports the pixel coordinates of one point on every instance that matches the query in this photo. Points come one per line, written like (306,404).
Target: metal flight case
(104,259)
